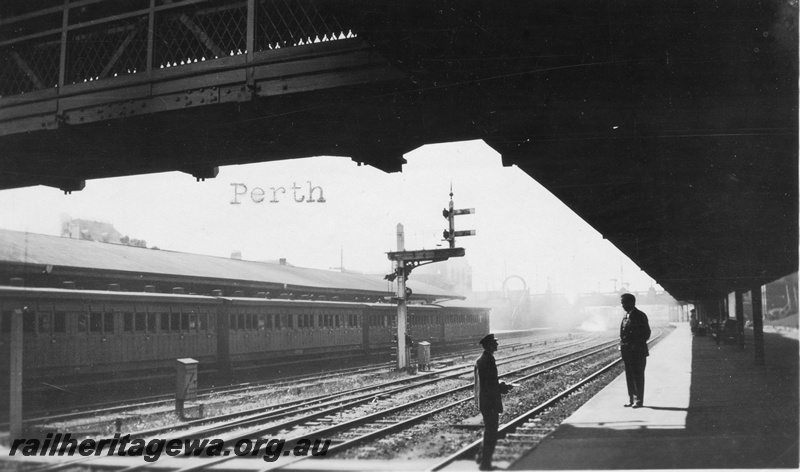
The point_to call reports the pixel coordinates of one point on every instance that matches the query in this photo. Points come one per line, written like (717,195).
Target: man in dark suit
(634,331)
(487,397)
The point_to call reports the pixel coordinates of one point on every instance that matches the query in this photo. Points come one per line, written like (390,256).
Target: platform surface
(706,407)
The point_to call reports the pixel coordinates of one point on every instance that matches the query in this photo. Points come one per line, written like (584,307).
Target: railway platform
(706,407)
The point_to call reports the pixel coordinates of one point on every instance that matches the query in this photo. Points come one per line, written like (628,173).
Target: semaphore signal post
(406,261)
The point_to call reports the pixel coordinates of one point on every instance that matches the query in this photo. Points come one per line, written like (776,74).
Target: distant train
(72,332)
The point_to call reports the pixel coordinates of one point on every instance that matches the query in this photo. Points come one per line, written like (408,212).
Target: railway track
(40,420)
(525,431)
(355,416)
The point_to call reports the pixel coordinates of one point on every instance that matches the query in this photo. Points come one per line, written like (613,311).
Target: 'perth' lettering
(258,194)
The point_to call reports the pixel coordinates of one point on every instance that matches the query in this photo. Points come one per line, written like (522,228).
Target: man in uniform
(634,331)
(487,397)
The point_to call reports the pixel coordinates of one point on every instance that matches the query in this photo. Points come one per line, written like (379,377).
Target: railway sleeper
(520,436)
(526,442)
(362,430)
(506,452)
(533,429)
(402,418)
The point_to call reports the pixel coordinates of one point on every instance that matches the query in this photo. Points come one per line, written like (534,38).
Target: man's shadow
(665,408)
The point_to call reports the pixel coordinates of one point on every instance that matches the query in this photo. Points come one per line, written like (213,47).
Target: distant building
(97,231)
(453,274)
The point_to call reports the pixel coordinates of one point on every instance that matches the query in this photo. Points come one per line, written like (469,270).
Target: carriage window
(83,322)
(336,318)
(250,321)
(240,321)
(5,322)
(261,323)
(60,322)
(164,322)
(289,321)
(192,322)
(277,321)
(211,321)
(203,322)
(185,321)
(45,322)
(140,321)
(29,322)
(127,321)
(108,322)
(95,322)
(152,322)
(175,321)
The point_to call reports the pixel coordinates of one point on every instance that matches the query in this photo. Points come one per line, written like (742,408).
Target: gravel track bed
(438,437)
(104,425)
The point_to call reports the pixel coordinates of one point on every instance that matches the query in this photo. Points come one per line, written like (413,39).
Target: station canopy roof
(670,126)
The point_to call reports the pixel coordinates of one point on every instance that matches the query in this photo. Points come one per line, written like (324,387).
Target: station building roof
(42,260)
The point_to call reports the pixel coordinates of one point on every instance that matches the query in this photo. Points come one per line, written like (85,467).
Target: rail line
(166,400)
(523,429)
(302,420)
(375,426)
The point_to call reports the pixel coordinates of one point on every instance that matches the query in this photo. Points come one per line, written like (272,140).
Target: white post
(402,362)
(15,376)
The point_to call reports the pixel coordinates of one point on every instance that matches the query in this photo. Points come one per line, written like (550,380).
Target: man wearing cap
(634,331)
(487,397)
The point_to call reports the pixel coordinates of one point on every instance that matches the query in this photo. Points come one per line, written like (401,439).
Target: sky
(276,210)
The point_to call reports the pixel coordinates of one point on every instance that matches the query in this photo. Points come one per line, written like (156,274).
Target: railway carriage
(76,332)
(263,328)
(86,331)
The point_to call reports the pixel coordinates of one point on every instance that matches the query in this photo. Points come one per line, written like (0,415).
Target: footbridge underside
(671,127)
